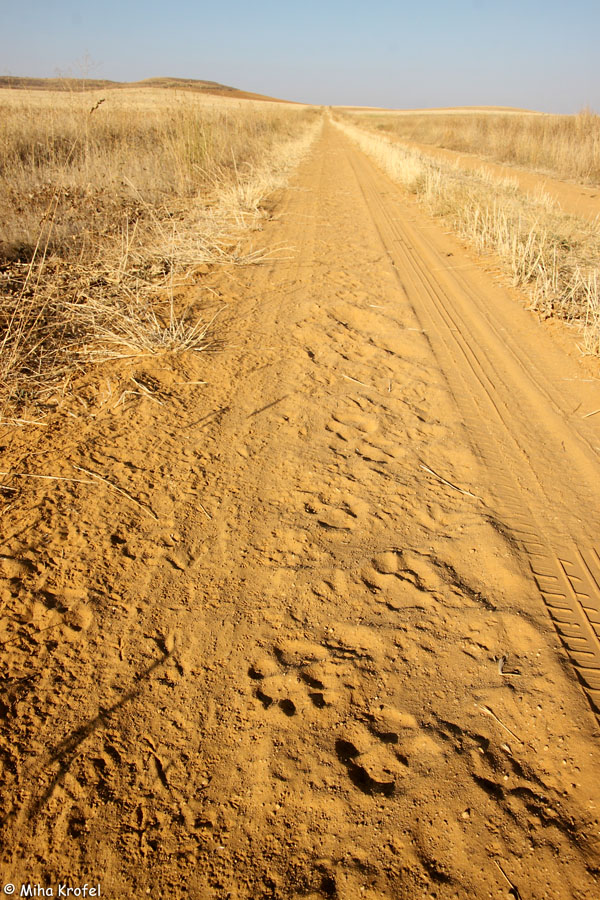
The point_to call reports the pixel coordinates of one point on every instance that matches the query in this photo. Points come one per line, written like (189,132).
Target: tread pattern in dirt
(568,579)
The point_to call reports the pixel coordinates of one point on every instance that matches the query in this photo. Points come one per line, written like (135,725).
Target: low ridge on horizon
(206,86)
(57,83)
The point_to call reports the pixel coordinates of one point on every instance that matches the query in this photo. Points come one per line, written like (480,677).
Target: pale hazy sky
(539,54)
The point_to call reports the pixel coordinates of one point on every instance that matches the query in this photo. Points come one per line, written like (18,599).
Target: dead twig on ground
(449,483)
(45,477)
(489,712)
(514,890)
(118,490)
(355,380)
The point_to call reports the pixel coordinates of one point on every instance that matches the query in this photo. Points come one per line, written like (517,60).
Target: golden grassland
(556,257)
(566,146)
(108,201)
(104,151)
(111,201)
(66,83)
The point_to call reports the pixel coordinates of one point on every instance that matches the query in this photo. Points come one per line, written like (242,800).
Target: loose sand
(328,626)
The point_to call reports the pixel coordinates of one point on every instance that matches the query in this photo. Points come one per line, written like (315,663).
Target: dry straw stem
(490,712)
(553,255)
(43,478)
(449,483)
(117,489)
(514,889)
(107,211)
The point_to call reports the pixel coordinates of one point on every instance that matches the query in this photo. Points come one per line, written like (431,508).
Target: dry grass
(553,255)
(109,203)
(566,146)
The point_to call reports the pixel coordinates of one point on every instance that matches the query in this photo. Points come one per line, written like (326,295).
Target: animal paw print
(339,513)
(304,679)
(372,756)
(369,741)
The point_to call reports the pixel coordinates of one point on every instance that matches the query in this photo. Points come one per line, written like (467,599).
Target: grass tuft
(109,205)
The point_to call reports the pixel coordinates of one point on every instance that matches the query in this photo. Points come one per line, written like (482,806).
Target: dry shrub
(109,202)
(553,255)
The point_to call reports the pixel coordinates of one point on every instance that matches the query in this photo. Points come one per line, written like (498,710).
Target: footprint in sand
(371,452)
(341,512)
(66,613)
(390,582)
(280,679)
(374,765)
(302,671)
(376,742)
(360,421)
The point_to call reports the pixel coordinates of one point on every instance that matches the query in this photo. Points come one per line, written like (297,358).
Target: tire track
(518,431)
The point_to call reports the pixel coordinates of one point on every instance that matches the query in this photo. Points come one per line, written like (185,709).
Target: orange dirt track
(338,634)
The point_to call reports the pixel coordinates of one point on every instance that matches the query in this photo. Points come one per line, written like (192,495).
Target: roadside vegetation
(556,257)
(109,204)
(565,146)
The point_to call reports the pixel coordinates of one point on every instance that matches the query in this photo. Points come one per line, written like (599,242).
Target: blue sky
(539,55)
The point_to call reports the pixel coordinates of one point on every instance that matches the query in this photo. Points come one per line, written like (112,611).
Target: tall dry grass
(566,146)
(107,203)
(554,256)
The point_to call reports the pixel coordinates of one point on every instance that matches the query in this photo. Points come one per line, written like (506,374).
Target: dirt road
(308,651)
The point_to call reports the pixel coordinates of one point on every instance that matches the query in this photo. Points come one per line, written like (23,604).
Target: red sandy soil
(325,626)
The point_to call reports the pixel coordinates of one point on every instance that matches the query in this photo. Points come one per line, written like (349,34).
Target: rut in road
(322,668)
(545,484)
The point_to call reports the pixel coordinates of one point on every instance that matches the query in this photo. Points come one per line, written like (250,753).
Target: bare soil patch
(289,620)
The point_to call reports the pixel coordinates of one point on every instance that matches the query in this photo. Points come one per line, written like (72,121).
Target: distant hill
(438,110)
(16,82)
